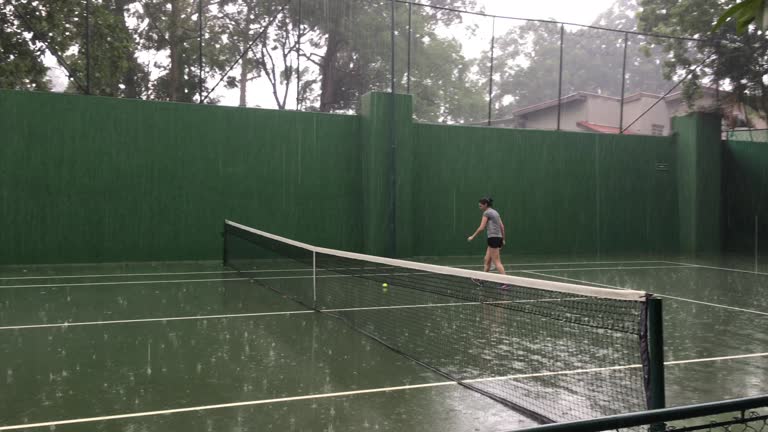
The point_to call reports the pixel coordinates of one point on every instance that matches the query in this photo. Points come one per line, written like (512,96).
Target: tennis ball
(385,284)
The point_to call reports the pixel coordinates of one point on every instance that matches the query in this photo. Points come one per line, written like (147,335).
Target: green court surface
(193,346)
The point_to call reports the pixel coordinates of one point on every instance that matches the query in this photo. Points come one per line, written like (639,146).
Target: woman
(494,229)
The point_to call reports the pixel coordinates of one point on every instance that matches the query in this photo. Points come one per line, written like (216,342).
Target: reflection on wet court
(195,346)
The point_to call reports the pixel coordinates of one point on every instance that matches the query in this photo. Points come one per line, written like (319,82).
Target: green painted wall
(100,179)
(558,192)
(380,126)
(699,155)
(745,196)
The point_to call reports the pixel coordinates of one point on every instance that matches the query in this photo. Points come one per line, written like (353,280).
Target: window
(657,129)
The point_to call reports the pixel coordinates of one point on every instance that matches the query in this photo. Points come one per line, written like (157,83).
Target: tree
(115,71)
(745,13)
(737,61)
(26,27)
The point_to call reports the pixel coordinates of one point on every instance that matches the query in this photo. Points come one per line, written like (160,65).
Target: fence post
(490,75)
(87,46)
(298,58)
(200,48)
(560,77)
(623,85)
(410,33)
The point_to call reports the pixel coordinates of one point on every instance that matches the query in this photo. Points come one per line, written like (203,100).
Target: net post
(224,244)
(656,398)
(314,280)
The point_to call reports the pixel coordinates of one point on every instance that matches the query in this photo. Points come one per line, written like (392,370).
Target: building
(584,111)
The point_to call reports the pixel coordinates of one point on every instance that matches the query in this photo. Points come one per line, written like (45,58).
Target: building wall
(602,111)
(546,119)
(658,115)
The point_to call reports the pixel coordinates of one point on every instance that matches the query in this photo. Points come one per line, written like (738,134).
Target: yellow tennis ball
(385,284)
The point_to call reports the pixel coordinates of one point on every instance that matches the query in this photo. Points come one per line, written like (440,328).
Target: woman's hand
(470,238)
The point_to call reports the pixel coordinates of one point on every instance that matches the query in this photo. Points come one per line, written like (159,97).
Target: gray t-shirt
(493,227)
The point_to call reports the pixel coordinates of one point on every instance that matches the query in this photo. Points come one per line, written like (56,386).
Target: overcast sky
(580,12)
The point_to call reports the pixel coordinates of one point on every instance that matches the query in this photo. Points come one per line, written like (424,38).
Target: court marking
(346,393)
(145,274)
(719,268)
(254,271)
(657,295)
(256,314)
(75,284)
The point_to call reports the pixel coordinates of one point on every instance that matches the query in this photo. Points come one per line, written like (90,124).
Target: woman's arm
(479,229)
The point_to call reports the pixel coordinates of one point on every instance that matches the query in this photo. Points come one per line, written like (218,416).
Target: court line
(346,393)
(719,268)
(141,320)
(658,295)
(255,314)
(57,285)
(255,271)
(147,274)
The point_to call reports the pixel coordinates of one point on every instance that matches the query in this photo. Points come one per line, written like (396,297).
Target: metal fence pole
(88,46)
(200,48)
(560,77)
(298,59)
(393,141)
(623,85)
(490,75)
(410,38)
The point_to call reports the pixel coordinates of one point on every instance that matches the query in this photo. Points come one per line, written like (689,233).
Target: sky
(579,12)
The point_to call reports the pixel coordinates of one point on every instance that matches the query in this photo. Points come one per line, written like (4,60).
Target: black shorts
(495,242)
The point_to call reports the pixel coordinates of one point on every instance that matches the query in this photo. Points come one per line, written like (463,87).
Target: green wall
(745,192)
(100,179)
(558,192)
(89,179)
(699,189)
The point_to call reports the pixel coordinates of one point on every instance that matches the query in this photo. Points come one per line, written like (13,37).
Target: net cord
(561,287)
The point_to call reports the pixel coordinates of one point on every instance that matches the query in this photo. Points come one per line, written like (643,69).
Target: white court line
(288,277)
(148,274)
(658,295)
(256,314)
(347,393)
(719,268)
(257,271)
(142,320)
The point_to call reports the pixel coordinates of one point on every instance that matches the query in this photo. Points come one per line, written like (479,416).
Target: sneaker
(478,282)
(504,286)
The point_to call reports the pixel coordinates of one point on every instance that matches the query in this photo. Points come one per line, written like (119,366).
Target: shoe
(478,282)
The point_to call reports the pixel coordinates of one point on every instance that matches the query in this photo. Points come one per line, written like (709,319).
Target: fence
(461,67)
(737,415)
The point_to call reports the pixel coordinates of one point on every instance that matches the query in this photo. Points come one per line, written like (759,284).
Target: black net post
(224,257)
(623,84)
(657,397)
(560,77)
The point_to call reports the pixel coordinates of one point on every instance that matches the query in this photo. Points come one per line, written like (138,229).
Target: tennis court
(197,346)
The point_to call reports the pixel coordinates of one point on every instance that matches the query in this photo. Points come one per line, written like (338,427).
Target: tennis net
(551,351)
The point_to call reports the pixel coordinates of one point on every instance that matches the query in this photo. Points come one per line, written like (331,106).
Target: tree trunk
(245,66)
(328,84)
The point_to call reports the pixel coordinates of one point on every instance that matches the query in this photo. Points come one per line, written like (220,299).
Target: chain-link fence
(462,67)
